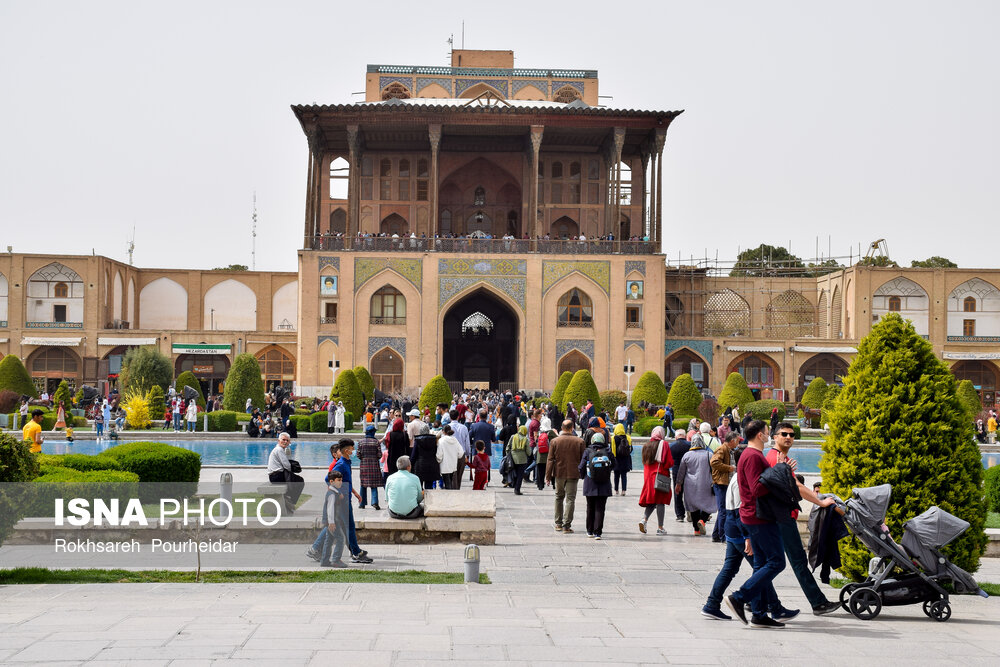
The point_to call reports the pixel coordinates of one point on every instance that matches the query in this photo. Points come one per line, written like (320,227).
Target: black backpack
(622,448)
(599,466)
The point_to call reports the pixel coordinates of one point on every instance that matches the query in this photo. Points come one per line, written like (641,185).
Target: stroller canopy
(935,527)
(871,503)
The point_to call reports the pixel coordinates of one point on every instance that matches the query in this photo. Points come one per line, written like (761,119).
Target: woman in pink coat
(656,460)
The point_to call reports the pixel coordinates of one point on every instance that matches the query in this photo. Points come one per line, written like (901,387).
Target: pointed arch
(836,313)
(824,315)
(831,367)
(338,221)
(685,360)
(574,361)
(277,367)
(758,369)
(163,304)
(479,89)
(285,307)
(565,228)
(230,305)
(575,308)
(130,302)
(566,94)
(3,299)
(387,370)
(117,292)
(395,91)
(727,314)
(531,91)
(903,296)
(790,315)
(394,224)
(974,310)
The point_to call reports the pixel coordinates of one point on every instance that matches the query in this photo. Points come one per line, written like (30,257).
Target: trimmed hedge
(815,393)
(649,389)
(611,399)
(969,397)
(58,482)
(762,409)
(435,391)
(346,390)
(684,395)
(646,425)
(303,423)
(189,379)
(151,461)
(243,381)
(991,485)
(365,383)
(560,389)
(581,389)
(735,393)
(14,376)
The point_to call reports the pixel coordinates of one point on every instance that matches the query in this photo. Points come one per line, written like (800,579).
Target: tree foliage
(612,398)
(17,464)
(62,395)
(649,388)
(581,389)
(243,381)
(767,260)
(876,260)
(815,393)
(735,392)
(709,411)
(232,267)
(832,392)
(435,391)
(899,420)
(365,382)
(991,488)
(970,397)
(347,391)
(143,367)
(136,410)
(818,269)
(155,399)
(684,395)
(14,376)
(935,262)
(189,379)
(560,389)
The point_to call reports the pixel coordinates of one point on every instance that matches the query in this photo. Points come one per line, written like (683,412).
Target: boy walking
(335,522)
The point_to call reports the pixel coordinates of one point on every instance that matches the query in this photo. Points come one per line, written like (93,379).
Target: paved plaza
(555,599)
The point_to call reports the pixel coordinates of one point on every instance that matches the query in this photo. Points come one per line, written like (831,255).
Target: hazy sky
(858,120)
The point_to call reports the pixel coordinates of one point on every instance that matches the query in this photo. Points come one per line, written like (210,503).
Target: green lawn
(38,575)
(993,520)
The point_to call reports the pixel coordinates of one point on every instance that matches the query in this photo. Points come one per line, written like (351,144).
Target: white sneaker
(642,527)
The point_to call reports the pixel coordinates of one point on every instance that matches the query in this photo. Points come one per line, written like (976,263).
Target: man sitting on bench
(404,492)
(279,471)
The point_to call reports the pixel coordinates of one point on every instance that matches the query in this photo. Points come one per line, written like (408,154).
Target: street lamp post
(629,369)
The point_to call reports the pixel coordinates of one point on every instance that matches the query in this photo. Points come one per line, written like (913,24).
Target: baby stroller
(924,568)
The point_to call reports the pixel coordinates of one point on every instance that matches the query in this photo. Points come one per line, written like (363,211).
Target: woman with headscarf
(656,460)
(518,448)
(503,436)
(398,444)
(426,456)
(694,481)
(596,486)
(621,450)
(369,454)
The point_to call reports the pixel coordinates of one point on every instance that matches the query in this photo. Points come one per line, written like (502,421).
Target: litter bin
(472,564)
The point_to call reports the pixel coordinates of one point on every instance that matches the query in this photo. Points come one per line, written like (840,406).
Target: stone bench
(273,490)
(449,516)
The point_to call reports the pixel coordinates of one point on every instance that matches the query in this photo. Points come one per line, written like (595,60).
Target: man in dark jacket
(678,448)
(561,469)
(483,430)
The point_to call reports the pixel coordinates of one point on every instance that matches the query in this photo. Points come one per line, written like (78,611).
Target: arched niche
(230,306)
(285,307)
(163,304)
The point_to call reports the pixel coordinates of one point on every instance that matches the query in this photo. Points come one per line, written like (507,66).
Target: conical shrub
(735,393)
(14,376)
(684,395)
(243,381)
(650,389)
(581,389)
(435,391)
(560,390)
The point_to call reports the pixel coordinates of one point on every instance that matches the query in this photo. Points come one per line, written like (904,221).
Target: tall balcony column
(616,208)
(657,235)
(353,184)
(536,144)
(434,135)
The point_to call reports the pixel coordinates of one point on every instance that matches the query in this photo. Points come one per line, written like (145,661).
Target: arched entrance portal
(983,376)
(210,369)
(480,342)
(828,366)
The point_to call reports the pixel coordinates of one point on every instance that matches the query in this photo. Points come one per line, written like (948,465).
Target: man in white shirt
(621,412)
(279,471)
(449,452)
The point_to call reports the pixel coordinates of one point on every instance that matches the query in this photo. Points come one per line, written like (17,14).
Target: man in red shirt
(768,551)
(784,438)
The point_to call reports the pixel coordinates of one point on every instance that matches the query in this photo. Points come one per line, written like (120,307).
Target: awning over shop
(836,349)
(200,348)
(115,342)
(755,348)
(971,356)
(62,342)
(3,340)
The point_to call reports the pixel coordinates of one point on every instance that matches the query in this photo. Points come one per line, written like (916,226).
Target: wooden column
(353,185)
(616,208)
(649,224)
(536,145)
(434,135)
(307,239)
(657,236)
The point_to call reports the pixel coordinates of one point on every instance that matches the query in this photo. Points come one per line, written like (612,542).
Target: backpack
(543,443)
(622,448)
(599,466)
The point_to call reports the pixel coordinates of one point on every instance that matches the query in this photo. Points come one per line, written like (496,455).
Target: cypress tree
(899,420)
(14,376)
(814,394)
(650,389)
(735,393)
(970,397)
(435,391)
(189,379)
(560,388)
(243,381)
(684,395)
(365,382)
(581,389)
(62,395)
(346,390)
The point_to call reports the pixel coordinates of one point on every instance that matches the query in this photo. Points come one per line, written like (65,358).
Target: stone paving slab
(556,599)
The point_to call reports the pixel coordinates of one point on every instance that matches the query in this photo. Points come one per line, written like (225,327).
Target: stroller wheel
(865,603)
(927,607)
(845,595)
(940,611)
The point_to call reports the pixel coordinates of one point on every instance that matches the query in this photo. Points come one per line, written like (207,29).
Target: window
(276,367)
(480,199)
(968,327)
(422,180)
(422,169)
(593,193)
(445,222)
(633,317)
(575,309)
(61,291)
(403,190)
(366,166)
(557,170)
(593,170)
(395,90)
(404,168)
(387,370)
(385,189)
(556,193)
(968,305)
(59,313)
(388,306)
(421,190)
(574,171)
(573,193)
(385,168)
(698,372)
(329,313)
(340,171)
(895,304)
(367,186)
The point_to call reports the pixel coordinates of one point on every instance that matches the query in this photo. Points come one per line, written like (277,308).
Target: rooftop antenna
(451,46)
(253,235)
(463,34)
(131,246)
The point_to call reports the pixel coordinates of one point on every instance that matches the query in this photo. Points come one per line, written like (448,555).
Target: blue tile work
(462,85)
(482,267)
(423,82)
(635,265)
(376,343)
(518,84)
(384,81)
(457,275)
(702,347)
(449,286)
(329,261)
(556,85)
(641,344)
(972,339)
(564,345)
(596,270)
(333,339)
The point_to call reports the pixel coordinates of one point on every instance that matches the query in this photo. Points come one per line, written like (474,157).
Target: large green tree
(366,382)
(17,465)
(244,381)
(899,421)
(346,390)
(649,388)
(189,379)
(581,389)
(684,395)
(735,392)
(970,397)
(14,376)
(560,389)
(934,262)
(767,260)
(435,391)
(143,367)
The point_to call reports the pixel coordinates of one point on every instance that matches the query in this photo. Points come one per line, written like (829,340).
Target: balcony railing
(386,320)
(328,320)
(53,325)
(493,246)
(574,323)
(633,325)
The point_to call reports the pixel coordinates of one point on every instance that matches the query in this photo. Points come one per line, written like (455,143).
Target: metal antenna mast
(131,246)
(253,234)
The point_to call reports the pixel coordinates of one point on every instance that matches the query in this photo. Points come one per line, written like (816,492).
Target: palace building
(496,225)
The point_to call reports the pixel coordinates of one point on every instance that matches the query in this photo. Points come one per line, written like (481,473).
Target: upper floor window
(895,304)
(388,306)
(575,309)
(969,305)
(385,168)
(340,172)
(404,168)
(480,196)
(61,291)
